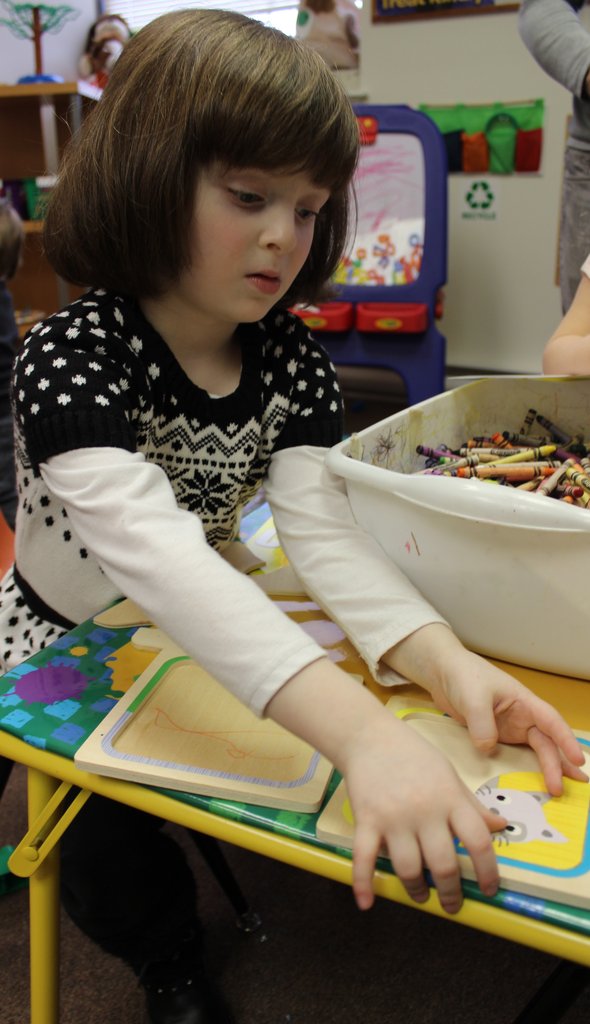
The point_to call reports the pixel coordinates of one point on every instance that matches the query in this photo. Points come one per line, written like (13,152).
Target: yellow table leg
(44,913)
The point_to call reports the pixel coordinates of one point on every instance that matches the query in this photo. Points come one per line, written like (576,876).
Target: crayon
(451,468)
(478,442)
(555,432)
(526,455)
(526,439)
(571,491)
(564,454)
(531,485)
(550,483)
(501,453)
(436,453)
(522,471)
(575,474)
(500,441)
(528,421)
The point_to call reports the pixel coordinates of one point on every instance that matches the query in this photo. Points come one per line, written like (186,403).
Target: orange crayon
(500,441)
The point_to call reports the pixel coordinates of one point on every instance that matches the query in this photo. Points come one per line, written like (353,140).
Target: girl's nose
(280,231)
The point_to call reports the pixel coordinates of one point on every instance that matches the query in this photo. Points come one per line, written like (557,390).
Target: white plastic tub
(509,570)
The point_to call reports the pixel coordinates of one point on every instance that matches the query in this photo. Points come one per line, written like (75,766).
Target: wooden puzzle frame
(551,860)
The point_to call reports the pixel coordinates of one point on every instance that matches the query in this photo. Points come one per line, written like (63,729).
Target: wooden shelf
(37,120)
(24,89)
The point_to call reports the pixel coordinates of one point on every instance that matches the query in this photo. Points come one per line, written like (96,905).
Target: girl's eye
(246,198)
(305,214)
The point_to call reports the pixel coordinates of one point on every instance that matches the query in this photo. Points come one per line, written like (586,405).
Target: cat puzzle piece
(544,849)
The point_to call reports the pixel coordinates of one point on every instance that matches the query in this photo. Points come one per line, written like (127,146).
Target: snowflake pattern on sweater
(97,374)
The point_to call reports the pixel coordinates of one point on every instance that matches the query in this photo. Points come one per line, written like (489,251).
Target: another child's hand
(406,797)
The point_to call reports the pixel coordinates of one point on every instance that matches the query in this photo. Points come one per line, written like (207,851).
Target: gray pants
(574,239)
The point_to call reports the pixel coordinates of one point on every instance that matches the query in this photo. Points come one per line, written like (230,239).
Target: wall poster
(389,10)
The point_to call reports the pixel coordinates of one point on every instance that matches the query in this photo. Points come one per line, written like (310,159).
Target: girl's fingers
(408,865)
(367,842)
(550,759)
(473,830)
(441,856)
(553,764)
(482,726)
(552,725)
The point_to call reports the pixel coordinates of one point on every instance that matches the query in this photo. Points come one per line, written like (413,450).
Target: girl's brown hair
(190,89)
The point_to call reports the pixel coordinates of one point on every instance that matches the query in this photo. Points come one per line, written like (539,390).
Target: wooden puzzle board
(178,728)
(545,852)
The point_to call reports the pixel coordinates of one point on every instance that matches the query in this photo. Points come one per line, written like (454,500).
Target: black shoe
(188,1002)
(179,991)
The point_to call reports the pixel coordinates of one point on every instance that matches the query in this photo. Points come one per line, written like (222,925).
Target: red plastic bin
(329,316)
(392,317)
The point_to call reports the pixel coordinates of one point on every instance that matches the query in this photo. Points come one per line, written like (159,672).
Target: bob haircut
(12,237)
(191,89)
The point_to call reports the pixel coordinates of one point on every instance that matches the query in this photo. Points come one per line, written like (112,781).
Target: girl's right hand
(406,796)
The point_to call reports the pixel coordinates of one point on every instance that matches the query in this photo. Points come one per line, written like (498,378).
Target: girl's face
(251,234)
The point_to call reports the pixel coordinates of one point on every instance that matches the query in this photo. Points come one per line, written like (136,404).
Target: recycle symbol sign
(480,196)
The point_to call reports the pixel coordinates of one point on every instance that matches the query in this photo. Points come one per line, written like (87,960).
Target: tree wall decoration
(32,21)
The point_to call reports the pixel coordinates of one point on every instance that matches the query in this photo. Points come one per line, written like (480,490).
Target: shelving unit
(36,122)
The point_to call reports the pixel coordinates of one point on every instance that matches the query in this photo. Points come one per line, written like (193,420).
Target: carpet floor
(314,960)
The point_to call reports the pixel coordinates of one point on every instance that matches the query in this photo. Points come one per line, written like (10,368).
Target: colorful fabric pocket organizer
(528,150)
(475,153)
(495,138)
(453,146)
(501,132)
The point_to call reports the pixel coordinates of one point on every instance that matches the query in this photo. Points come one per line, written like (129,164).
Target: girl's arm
(125,514)
(396,631)
(404,794)
(568,350)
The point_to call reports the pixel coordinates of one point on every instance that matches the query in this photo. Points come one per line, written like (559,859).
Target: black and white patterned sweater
(97,374)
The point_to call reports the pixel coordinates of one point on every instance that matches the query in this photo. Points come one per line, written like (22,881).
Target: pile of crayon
(553,464)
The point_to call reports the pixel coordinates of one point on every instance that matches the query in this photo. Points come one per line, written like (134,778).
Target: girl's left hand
(495,707)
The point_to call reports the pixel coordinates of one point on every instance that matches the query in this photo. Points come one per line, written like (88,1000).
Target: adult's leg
(574,237)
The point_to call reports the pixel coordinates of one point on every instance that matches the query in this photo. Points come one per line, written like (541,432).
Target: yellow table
(50,776)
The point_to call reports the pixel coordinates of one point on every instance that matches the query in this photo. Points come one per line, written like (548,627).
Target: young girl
(206,193)
(568,349)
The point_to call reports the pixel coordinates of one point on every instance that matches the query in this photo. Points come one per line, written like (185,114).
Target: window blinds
(281,14)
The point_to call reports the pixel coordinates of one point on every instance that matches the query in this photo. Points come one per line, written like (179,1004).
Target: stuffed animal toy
(330,27)
(106,39)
